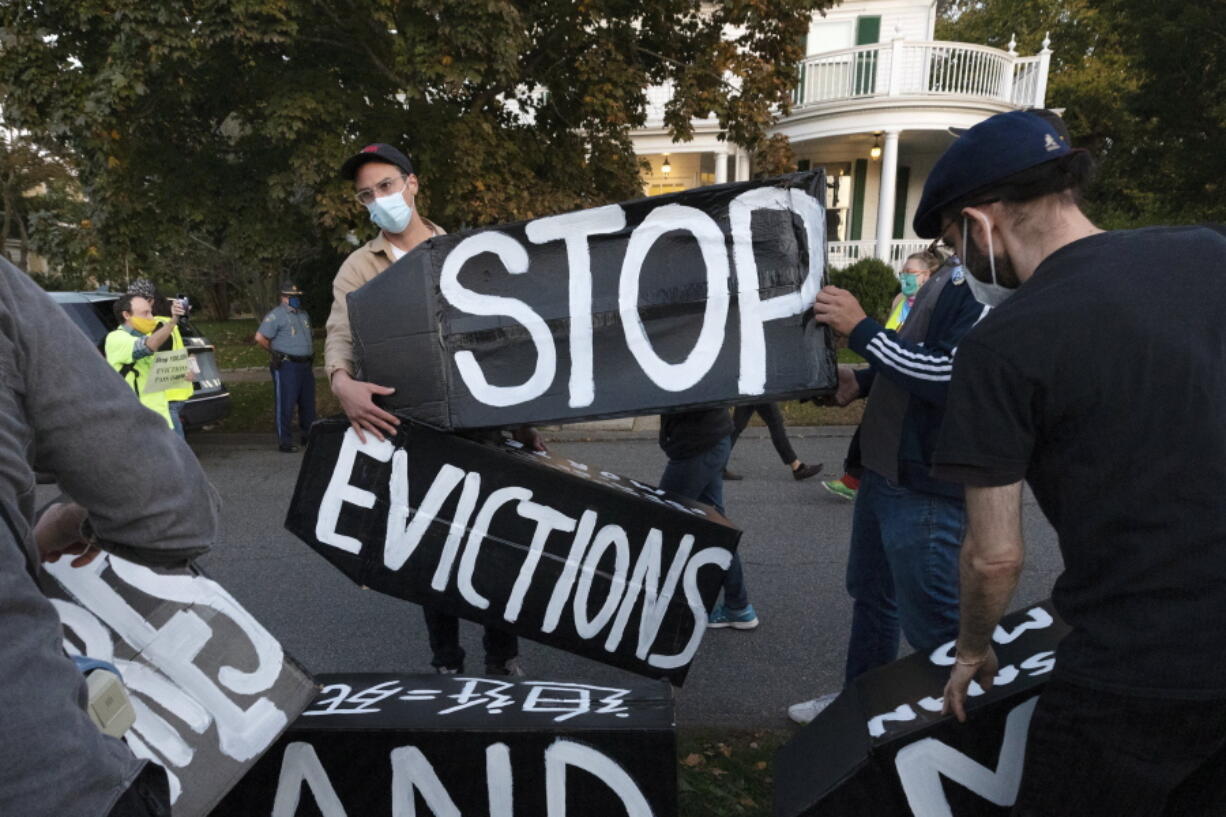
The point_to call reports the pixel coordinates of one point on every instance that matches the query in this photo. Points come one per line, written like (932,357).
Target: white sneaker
(805,711)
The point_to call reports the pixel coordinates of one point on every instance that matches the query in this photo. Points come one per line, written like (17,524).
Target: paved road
(794,549)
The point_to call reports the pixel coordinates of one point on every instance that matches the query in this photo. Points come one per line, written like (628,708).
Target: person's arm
(269,329)
(356,396)
(162,334)
(922,370)
(155,506)
(989,568)
(264,342)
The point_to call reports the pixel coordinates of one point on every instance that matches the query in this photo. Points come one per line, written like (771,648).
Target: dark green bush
(873,283)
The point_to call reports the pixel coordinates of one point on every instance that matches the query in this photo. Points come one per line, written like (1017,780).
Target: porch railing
(846,253)
(913,68)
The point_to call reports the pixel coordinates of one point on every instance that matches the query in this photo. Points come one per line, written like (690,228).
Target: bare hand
(176,309)
(357,401)
(58,531)
(529,437)
(849,387)
(838,309)
(960,678)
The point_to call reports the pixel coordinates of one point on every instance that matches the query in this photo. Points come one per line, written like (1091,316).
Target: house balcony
(935,71)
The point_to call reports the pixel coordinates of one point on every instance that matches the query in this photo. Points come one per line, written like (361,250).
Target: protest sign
(169,371)
(884,748)
(559,552)
(690,299)
(381,744)
(212,689)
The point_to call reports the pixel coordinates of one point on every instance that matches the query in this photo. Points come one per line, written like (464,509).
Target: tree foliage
(208,133)
(1143,89)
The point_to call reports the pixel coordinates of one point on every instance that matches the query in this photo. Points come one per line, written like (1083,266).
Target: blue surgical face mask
(391,213)
(910,283)
(295,302)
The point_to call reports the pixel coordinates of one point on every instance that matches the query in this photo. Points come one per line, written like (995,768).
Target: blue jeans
(176,410)
(902,571)
(701,477)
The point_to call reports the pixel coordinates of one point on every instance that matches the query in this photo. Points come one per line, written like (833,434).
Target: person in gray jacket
(64,413)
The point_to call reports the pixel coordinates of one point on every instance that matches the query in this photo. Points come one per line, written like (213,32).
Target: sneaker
(287,448)
(509,668)
(838,488)
(806,471)
(721,616)
(448,670)
(732,476)
(805,711)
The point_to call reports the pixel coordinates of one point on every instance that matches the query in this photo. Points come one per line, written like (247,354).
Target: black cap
(992,151)
(376,152)
(290,288)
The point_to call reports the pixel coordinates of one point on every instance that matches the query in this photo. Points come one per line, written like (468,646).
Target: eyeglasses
(384,188)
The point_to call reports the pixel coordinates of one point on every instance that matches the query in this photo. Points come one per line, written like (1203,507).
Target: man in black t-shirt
(1100,378)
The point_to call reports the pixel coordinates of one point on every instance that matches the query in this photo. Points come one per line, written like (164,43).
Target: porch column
(742,165)
(885,199)
(721,167)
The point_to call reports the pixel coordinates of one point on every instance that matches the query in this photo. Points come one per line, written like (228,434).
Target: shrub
(872,281)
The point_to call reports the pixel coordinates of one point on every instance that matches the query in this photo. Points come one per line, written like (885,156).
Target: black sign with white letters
(691,299)
(557,551)
(381,745)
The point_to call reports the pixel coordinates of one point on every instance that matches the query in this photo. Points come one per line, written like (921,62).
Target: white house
(874,105)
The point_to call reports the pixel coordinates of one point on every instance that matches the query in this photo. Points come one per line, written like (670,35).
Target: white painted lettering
(340,491)
(515,258)
(676,377)
(472,548)
(575,229)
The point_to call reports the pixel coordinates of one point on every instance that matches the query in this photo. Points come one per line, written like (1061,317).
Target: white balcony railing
(933,69)
(846,253)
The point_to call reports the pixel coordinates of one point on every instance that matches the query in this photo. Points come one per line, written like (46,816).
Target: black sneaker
(287,448)
(732,476)
(806,471)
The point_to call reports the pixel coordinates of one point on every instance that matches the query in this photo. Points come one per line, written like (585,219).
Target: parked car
(94,314)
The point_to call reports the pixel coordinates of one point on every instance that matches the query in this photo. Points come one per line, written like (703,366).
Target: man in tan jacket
(386,185)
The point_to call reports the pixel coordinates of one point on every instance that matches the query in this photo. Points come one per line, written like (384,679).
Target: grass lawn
(727,772)
(236,347)
(251,407)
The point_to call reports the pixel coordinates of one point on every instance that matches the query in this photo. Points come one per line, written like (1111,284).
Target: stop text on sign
(720,262)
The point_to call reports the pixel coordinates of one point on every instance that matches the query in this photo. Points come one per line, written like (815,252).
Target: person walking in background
(130,348)
(285,333)
(916,271)
(697,444)
(773,417)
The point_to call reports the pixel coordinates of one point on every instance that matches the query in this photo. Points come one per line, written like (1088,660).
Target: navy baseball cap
(376,152)
(993,150)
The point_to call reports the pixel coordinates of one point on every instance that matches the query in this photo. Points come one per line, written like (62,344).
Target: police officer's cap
(290,288)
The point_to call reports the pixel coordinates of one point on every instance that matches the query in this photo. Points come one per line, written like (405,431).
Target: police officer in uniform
(286,334)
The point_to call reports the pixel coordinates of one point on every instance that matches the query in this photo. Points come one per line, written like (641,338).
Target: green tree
(27,175)
(208,133)
(1142,88)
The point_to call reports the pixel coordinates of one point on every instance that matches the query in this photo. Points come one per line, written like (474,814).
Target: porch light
(666,168)
(875,152)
